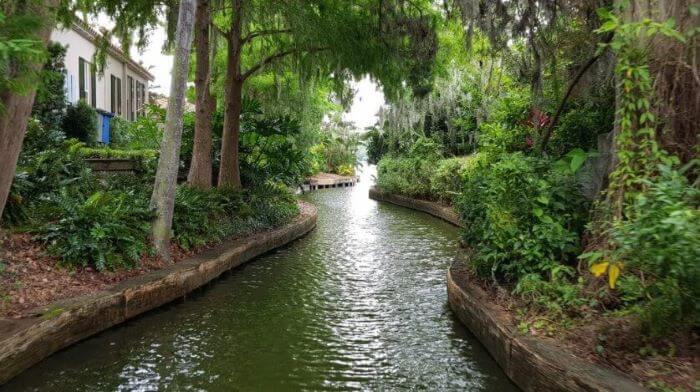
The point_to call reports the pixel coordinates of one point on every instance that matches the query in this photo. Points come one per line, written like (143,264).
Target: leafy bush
(377,147)
(80,122)
(145,133)
(447,181)
(204,217)
(336,151)
(39,138)
(408,176)
(272,149)
(580,127)
(659,244)
(105,230)
(524,217)
(199,215)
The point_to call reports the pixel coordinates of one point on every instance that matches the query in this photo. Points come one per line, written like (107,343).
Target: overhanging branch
(270,59)
(259,33)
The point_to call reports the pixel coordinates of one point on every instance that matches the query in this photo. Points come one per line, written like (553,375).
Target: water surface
(358,304)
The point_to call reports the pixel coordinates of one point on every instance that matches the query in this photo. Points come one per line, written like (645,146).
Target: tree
(200,174)
(25,28)
(392,40)
(163,197)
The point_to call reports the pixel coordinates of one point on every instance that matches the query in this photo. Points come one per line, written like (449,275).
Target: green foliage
(80,122)
(659,244)
(377,146)
(580,127)
(448,179)
(554,294)
(144,133)
(106,230)
(147,160)
(524,217)
(50,100)
(410,175)
(205,217)
(271,149)
(335,153)
(19,48)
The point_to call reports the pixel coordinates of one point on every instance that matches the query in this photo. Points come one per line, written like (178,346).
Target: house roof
(93,36)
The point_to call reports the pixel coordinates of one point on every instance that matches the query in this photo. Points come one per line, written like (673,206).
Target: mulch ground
(30,278)
(673,362)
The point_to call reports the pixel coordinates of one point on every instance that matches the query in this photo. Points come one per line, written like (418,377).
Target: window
(87,87)
(140,98)
(115,95)
(130,98)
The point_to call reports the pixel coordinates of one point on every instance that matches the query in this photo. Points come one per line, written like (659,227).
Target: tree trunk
(229,173)
(16,108)
(163,198)
(200,174)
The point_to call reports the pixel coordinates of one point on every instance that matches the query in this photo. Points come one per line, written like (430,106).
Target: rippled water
(358,304)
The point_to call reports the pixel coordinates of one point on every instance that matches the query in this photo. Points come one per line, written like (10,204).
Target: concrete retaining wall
(436,209)
(24,342)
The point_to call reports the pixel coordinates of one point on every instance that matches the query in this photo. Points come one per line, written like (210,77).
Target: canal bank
(26,341)
(357,304)
(533,363)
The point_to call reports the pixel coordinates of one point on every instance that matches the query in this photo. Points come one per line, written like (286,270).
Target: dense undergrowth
(104,221)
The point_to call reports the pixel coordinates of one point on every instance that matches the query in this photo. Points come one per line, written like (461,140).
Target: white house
(122,89)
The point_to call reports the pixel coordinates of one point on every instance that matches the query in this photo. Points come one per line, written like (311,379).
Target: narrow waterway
(358,304)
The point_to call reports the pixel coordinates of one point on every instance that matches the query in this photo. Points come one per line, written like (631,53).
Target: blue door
(104,135)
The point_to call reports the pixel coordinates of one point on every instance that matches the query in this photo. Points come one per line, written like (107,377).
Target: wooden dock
(330,180)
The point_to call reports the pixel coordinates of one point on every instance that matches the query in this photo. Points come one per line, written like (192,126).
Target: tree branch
(259,33)
(277,56)
(548,133)
(219,30)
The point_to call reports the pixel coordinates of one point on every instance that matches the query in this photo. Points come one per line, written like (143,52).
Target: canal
(358,304)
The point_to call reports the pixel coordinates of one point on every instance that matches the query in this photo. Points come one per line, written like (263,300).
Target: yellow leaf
(599,269)
(613,273)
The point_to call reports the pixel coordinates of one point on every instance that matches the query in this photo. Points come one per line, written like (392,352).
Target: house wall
(79,46)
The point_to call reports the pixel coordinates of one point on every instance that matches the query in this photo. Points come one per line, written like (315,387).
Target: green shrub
(447,180)
(199,216)
(523,216)
(579,128)
(145,133)
(377,147)
(17,204)
(106,230)
(496,137)
(659,244)
(80,122)
(205,217)
(406,176)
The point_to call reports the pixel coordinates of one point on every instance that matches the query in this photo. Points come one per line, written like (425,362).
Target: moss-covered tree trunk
(163,198)
(16,107)
(200,174)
